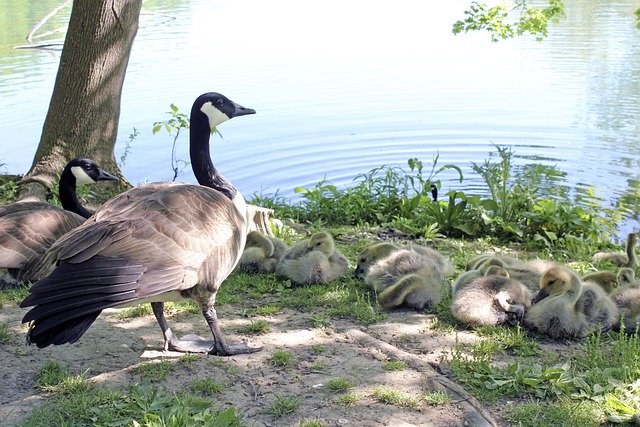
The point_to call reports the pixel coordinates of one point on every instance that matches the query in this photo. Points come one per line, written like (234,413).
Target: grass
(255,328)
(283,405)
(436,398)
(156,371)
(348,399)
(55,377)
(394,397)
(282,358)
(339,384)
(207,386)
(139,405)
(394,365)
(5,335)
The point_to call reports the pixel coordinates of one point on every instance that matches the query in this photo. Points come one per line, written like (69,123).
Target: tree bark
(84,111)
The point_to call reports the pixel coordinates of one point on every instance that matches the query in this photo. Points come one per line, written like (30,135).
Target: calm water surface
(343,87)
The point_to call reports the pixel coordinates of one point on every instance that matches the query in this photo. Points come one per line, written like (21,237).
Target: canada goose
(414,277)
(261,253)
(491,300)
(440,262)
(626,278)
(415,291)
(476,262)
(387,270)
(178,241)
(564,308)
(28,229)
(627,259)
(314,260)
(371,254)
(482,268)
(607,280)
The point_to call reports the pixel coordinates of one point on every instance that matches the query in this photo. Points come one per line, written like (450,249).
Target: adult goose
(164,242)
(28,229)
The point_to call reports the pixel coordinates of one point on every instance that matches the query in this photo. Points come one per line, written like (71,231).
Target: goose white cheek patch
(215,116)
(81,175)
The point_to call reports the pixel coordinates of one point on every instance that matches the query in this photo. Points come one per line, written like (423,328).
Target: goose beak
(106,176)
(542,294)
(241,111)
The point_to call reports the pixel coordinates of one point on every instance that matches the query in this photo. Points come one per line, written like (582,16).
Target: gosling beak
(542,294)
(106,176)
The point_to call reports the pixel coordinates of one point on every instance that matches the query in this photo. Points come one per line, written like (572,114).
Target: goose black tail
(68,301)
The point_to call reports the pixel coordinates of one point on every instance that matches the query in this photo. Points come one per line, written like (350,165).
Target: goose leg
(194,344)
(188,344)
(220,346)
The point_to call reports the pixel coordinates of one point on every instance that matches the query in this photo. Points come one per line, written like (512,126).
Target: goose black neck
(68,196)
(203,169)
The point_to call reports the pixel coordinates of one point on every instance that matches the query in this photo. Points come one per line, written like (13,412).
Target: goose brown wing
(26,235)
(171,240)
(12,208)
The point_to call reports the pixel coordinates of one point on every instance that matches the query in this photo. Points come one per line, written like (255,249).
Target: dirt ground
(112,348)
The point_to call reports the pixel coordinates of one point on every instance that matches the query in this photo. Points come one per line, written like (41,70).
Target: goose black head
(87,171)
(218,108)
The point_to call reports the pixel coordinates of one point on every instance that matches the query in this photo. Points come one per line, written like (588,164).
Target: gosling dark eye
(363,260)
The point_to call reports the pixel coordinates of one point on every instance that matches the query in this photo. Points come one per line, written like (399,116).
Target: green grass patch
(282,358)
(55,377)
(318,366)
(394,397)
(140,405)
(155,371)
(207,386)
(139,310)
(283,405)
(255,328)
(5,335)
(339,384)
(347,399)
(437,398)
(14,295)
(395,365)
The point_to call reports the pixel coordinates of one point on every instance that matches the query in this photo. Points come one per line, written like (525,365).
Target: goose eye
(87,167)
(219,102)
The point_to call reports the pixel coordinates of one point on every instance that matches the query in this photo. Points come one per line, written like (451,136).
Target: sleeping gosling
(315,260)
(491,300)
(261,253)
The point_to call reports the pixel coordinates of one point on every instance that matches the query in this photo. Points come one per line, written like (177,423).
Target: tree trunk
(85,106)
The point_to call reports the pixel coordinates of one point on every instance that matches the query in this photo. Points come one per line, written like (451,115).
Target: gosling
(261,253)
(563,308)
(491,300)
(312,261)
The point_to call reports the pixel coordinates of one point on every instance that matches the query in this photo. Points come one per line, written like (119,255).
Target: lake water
(341,87)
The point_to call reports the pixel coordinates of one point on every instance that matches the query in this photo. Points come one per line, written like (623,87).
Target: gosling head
(626,277)
(255,239)
(556,281)
(86,171)
(496,270)
(370,255)
(322,242)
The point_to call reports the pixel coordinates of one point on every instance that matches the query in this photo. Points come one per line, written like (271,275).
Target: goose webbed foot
(194,344)
(220,346)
